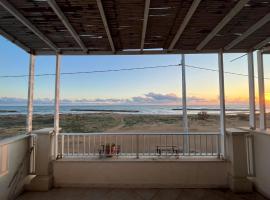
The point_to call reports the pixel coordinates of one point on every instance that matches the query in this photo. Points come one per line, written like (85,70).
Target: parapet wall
(141,174)
(14,162)
(262,162)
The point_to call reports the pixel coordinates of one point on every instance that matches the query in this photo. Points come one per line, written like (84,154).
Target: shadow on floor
(137,194)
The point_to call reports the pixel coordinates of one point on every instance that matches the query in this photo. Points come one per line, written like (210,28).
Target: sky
(149,86)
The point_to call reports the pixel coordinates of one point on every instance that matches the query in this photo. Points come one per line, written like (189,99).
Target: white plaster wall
(262,162)
(17,149)
(151,174)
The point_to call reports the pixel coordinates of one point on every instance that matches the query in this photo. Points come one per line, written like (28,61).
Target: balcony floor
(138,194)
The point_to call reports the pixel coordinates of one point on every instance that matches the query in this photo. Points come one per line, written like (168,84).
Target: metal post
(184,95)
(57,104)
(30,94)
(261,90)
(252,111)
(184,104)
(221,103)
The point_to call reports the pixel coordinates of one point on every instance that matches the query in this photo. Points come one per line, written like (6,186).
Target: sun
(267,97)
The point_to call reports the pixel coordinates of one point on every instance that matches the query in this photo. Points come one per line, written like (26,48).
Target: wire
(129,69)
(225,72)
(91,72)
(215,70)
(238,57)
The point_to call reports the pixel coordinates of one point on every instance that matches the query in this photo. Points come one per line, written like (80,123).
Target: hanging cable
(129,69)
(238,57)
(91,72)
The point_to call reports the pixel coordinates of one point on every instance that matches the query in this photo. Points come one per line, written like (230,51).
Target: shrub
(202,115)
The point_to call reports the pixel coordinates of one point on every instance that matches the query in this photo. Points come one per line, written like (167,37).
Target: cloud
(150,98)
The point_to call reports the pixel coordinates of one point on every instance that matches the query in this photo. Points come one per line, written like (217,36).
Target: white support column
(57,105)
(252,108)
(30,94)
(184,95)
(184,105)
(221,103)
(261,90)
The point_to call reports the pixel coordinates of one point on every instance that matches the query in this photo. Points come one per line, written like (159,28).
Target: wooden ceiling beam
(184,24)
(66,23)
(145,21)
(222,23)
(105,23)
(251,30)
(262,43)
(13,11)
(14,40)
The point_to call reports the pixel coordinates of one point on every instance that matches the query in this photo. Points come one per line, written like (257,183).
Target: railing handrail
(140,133)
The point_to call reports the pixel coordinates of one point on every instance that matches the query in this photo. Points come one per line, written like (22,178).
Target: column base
(240,185)
(40,184)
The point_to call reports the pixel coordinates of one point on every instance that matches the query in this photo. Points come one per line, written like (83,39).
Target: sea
(127,109)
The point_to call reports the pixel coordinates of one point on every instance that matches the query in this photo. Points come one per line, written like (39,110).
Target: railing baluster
(67,145)
(177,143)
(166,144)
(188,135)
(195,145)
(183,145)
(201,144)
(73,145)
(172,145)
(206,145)
(83,145)
(117,146)
(62,145)
(212,143)
(149,137)
(105,144)
(121,144)
(94,143)
(143,144)
(78,143)
(218,145)
(89,145)
(138,146)
(131,145)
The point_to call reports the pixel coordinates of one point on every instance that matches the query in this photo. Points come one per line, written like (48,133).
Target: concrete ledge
(141,174)
(240,185)
(40,184)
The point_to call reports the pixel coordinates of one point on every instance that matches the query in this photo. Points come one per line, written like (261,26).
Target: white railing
(138,145)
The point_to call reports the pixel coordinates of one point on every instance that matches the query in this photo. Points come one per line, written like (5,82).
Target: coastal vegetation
(114,122)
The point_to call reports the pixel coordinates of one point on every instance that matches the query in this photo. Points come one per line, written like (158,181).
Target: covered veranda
(236,159)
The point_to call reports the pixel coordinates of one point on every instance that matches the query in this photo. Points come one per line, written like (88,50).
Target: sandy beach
(112,122)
